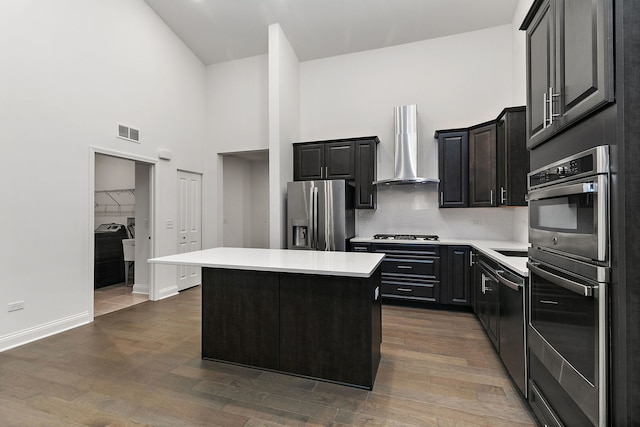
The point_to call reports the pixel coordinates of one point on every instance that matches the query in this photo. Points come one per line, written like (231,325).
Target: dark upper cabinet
(512,157)
(482,166)
(339,160)
(458,275)
(366,164)
(569,63)
(324,160)
(308,162)
(352,159)
(453,169)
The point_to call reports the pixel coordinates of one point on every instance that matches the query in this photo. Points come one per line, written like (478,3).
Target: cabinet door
(488,306)
(482,166)
(459,275)
(584,64)
(339,160)
(540,59)
(512,158)
(453,169)
(308,162)
(366,161)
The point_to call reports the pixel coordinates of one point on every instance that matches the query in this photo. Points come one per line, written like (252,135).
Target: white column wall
(71,70)
(284,128)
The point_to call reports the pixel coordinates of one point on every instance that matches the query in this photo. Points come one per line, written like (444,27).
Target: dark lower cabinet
(324,327)
(436,274)
(240,320)
(458,279)
(487,300)
(328,328)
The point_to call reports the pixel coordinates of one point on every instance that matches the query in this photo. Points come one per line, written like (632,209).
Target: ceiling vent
(130,134)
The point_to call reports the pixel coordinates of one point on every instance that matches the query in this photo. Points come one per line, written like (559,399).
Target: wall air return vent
(130,134)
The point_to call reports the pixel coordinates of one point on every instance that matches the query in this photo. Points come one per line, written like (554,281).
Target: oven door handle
(508,283)
(586,291)
(565,190)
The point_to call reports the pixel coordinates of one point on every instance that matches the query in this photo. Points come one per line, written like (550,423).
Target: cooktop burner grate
(405,237)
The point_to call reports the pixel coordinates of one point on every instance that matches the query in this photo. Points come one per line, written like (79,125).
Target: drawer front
(425,268)
(407,251)
(428,291)
(360,247)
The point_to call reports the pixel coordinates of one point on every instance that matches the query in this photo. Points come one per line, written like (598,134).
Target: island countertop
(348,264)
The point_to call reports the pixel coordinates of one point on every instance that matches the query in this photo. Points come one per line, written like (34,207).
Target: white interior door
(189,225)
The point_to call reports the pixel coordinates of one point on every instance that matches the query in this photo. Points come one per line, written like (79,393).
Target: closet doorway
(122,232)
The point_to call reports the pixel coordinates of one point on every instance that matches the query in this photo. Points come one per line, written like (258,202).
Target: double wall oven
(569,263)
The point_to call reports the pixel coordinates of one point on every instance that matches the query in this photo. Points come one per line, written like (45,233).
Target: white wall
(519,53)
(284,128)
(237,202)
(456,81)
(71,70)
(237,120)
(246,202)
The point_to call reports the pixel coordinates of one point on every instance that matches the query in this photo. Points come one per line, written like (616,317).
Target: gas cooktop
(405,237)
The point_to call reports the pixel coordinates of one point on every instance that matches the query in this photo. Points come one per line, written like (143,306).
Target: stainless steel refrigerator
(320,215)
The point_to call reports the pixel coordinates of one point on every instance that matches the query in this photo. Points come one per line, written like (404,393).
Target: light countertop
(349,264)
(487,247)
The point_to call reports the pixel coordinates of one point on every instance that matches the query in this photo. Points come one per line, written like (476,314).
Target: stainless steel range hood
(406,148)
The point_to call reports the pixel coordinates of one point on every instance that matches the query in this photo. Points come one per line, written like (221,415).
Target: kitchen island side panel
(240,318)
(330,327)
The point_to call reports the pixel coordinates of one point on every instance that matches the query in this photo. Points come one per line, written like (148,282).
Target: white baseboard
(35,333)
(167,292)
(140,289)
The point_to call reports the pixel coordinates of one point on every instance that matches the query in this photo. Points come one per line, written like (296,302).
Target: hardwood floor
(142,366)
(115,297)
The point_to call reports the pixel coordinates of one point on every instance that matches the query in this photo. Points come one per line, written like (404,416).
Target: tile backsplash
(414,210)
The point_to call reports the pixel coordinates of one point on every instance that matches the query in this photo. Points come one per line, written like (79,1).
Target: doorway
(245,188)
(122,231)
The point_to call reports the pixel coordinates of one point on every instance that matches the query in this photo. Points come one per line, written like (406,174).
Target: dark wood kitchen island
(308,313)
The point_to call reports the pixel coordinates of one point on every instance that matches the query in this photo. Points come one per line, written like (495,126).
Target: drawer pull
(408,267)
(546,301)
(404,289)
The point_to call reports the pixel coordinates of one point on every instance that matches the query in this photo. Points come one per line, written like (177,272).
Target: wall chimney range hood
(406,149)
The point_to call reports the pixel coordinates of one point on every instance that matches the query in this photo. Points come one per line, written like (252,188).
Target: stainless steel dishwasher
(513,326)
(502,312)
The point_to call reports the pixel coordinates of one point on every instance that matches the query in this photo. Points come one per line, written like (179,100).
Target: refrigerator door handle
(314,217)
(311,208)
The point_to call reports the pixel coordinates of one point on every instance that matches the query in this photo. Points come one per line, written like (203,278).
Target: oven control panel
(583,164)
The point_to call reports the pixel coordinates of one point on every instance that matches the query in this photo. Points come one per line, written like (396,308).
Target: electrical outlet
(476,222)
(14,306)
(169,224)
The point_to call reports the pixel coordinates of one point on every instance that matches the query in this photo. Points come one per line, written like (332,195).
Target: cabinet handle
(404,290)
(326,171)
(407,267)
(503,196)
(359,249)
(546,301)
(491,196)
(545,107)
(371,200)
(551,99)
(441,198)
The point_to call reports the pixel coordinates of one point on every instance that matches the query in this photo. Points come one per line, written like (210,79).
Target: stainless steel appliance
(569,277)
(430,237)
(504,316)
(406,148)
(320,215)
(568,205)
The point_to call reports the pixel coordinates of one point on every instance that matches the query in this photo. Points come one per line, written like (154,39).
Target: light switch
(169,224)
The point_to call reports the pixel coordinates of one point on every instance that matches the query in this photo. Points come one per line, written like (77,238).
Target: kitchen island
(308,313)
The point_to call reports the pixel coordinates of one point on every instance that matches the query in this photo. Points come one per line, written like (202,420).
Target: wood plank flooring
(142,366)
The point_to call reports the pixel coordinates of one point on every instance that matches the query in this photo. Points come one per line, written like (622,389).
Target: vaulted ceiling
(222,30)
